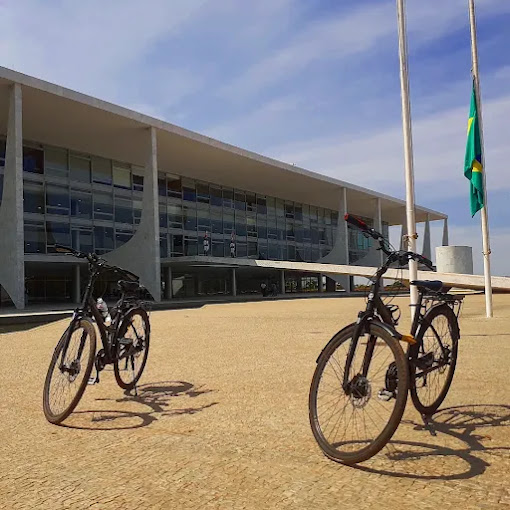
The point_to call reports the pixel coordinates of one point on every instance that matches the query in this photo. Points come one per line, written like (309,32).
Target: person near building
(206,243)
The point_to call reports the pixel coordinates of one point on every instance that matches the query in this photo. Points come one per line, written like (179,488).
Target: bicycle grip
(356,222)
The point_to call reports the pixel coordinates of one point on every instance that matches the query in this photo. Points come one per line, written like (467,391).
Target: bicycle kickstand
(428,425)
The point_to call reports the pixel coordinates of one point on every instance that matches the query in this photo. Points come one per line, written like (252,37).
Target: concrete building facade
(163,202)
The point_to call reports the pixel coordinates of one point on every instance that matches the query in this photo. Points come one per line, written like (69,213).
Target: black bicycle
(360,385)
(125,335)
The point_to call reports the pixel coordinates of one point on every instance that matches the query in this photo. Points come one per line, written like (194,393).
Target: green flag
(473,168)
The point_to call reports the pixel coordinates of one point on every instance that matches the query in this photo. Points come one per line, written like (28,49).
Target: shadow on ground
(157,397)
(430,461)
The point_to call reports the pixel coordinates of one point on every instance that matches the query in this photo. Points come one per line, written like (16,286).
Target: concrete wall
(140,254)
(12,268)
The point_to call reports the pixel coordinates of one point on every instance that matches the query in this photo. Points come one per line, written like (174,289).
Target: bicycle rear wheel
(353,425)
(433,359)
(132,348)
(69,371)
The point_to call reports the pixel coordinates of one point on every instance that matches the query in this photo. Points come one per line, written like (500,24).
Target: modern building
(169,204)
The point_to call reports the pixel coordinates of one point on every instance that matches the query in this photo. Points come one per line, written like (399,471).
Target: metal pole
(408,149)
(484,213)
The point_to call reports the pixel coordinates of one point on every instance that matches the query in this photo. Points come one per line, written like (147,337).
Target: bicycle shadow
(429,461)
(156,396)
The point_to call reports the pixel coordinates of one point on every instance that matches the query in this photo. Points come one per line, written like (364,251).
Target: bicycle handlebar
(95,260)
(358,223)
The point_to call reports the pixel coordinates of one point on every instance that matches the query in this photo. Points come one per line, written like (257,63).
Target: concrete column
(234,282)
(282,281)
(427,248)
(321,283)
(76,284)
(168,283)
(377,254)
(445,232)
(12,267)
(141,254)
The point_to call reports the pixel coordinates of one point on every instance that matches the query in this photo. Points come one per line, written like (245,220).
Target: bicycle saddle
(435,285)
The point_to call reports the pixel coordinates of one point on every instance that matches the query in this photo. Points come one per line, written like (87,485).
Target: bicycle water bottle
(103,309)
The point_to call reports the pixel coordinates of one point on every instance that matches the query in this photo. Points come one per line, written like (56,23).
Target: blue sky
(311,82)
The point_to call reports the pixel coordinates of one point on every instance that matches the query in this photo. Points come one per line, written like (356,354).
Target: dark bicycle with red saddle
(124,332)
(360,385)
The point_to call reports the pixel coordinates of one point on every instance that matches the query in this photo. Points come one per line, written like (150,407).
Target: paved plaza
(221,420)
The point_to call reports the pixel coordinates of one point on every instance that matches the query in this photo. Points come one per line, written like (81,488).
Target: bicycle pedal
(385,395)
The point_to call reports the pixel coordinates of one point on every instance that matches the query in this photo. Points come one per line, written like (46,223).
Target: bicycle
(125,342)
(364,368)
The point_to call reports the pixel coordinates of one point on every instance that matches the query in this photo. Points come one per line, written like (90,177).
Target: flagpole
(484,212)
(408,150)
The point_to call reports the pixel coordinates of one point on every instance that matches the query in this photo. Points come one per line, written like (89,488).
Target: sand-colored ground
(222,420)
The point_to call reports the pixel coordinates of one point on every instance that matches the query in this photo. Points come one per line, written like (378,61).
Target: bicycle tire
(127,321)
(443,310)
(58,417)
(331,450)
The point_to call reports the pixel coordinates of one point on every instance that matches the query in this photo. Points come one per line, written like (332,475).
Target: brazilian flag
(473,169)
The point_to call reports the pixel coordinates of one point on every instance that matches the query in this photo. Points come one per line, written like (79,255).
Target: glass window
(188,190)
(57,200)
(163,218)
(298,233)
(35,238)
(138,179)
(240,200)
(315,254)
(190,246)
(202,193)
(121,175)
(272,231)
(103,238)
(122,236)
(161,185)
(313,213)
(273,251)
(137,211)
(271,206)
(251,226)
(251,202)
(241,249)
(261,205)
(280,211)
(163,246)
(174,215)
(204,220)
(306,213)
(261,228)
(33,198)
(102,170)
(240,224)
(263,253)
(327,216)
(334,218)
(33,160)
(174,186)
(290,230)
(55,162)
(81,204)
(217,248)
(298,212)
(216,220)
(81,239)
(252,249)
(228,222)
(228,198)
(2,153)
(289,210)
(190,218)
(291,252)
(103,206)
(79,168)
(176,245)
(216,198)
(123,210)
(57,233)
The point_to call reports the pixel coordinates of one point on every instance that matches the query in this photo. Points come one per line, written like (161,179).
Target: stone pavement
(222,420)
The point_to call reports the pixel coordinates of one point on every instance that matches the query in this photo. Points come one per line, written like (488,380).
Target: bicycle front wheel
(132,348)
(69,371)
(353,424)
(433,359)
